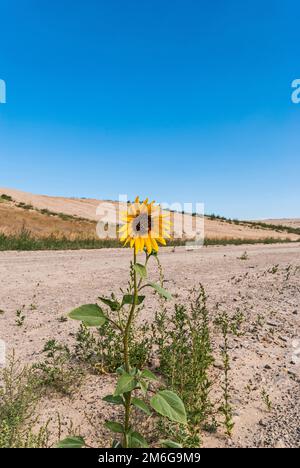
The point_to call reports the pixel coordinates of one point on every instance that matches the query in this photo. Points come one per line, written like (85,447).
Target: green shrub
(57,371)
(19,395)
(185,354)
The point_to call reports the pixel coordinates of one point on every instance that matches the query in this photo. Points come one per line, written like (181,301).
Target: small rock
(283,338)
(268,367)
(280,444)
(218,365)
(273,324)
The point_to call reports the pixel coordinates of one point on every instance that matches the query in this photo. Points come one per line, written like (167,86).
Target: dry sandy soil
(266,356)
(13,218)
(294,223)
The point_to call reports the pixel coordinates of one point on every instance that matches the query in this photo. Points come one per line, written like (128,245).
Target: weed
(20,317)
(19,395)
(223,322)
(102,349)
(62,319)
(57,370)
(244,256)
(236,322)
(266,399)
(26,241)
(187,345)
(274,269)
(260,320)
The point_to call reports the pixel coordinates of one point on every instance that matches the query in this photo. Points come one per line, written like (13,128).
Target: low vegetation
(19,396)
(25,240)
(177,340)
(256,224)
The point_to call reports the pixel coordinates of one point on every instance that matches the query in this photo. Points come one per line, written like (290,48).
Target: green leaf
(114,305)
(169,444)
(116,444)
(144,386)
(129,299)
(169,404)
(140,404)
(120,370)
(140,269)
(71,442)
(114,426)
(136,440)
(114,400)
(163,292)
(90,314)
(126,383)
(147,374)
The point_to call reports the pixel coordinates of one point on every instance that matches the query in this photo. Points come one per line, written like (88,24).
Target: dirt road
(263,285)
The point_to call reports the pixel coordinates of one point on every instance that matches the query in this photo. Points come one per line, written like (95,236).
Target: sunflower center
(142,225)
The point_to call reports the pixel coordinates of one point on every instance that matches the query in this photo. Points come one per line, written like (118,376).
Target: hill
(77,217)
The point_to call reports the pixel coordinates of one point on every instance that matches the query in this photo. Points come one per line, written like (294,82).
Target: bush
(19,395)
(57,371)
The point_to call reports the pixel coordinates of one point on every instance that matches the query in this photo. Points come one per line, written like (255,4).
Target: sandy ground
(12,218)
(266,357)
(294,222)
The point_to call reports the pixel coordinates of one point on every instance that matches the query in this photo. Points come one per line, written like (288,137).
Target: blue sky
(182,101)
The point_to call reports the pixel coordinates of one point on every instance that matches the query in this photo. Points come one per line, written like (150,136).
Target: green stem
(127,396)
(141,279)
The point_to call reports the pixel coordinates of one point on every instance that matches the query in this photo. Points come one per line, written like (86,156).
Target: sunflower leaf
(136,440)
(129,299)
(114,426)
(141,405)
(126,383)
(114,400)
(140,270)
(71,442)
(114,305)
(148,375)
(162,291)
(90,314)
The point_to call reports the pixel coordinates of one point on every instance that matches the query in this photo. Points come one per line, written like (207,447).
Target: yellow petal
(148,245)
(137,245)
(154,244)
(127,240)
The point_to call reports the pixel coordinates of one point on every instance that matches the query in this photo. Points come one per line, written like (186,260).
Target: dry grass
(76,217)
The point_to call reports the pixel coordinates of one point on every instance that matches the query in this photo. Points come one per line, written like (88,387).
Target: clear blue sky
(180,100)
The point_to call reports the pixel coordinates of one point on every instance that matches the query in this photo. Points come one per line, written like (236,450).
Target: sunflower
(144,227)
